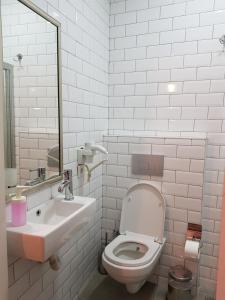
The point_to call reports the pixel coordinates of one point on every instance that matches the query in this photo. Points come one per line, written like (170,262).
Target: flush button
(147,164)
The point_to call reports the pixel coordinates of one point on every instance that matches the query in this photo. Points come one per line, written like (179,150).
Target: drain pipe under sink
(54,262)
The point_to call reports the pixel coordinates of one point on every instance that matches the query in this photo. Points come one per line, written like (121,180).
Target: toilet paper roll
(192,250)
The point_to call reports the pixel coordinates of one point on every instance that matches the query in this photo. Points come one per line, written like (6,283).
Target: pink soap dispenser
(19,207)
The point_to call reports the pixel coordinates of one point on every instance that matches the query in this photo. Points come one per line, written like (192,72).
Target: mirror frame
(56,23)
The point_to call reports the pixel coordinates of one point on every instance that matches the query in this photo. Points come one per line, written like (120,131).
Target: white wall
(85,58)
(156,42)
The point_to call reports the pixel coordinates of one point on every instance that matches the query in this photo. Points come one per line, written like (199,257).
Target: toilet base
(133,288)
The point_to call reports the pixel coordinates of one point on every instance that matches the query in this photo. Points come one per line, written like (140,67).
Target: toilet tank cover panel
(143,211)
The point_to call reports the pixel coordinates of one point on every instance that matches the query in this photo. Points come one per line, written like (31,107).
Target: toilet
(132,255)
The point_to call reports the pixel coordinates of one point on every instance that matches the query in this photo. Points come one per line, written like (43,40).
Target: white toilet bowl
(131,257)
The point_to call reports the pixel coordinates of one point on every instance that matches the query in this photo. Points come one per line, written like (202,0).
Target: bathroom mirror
(32,95)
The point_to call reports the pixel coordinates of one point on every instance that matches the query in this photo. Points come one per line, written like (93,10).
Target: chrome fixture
(222,41)
(19,58)
(67,185)
(41,172)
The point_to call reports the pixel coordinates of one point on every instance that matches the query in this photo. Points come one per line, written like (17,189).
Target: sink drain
(38,212)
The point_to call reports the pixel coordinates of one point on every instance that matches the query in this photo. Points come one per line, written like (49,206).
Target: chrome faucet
(41,172)
(67,185)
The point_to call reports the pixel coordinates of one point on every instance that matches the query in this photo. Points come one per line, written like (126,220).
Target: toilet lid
(143,211)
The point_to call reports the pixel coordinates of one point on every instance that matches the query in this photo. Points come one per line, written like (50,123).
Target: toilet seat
(145,243)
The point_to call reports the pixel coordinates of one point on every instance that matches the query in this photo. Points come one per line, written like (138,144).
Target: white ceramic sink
(48,227)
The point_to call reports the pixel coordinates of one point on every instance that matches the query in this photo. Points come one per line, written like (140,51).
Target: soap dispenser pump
(19,207)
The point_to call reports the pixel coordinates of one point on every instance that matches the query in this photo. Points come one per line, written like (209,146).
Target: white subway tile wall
(166,48)
(34,148)
(181,186)
(85,60)
(35,77)
(175,68)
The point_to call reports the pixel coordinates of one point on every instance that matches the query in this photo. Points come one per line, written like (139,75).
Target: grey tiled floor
(104,288)
(109,289)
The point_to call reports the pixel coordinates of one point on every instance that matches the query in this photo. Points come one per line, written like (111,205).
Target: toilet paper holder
(194,232)
(193,242)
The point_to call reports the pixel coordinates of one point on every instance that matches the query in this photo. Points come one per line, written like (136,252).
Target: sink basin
(48,227)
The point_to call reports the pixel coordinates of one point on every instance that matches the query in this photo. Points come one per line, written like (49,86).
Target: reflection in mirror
(9,117)
(31,97)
